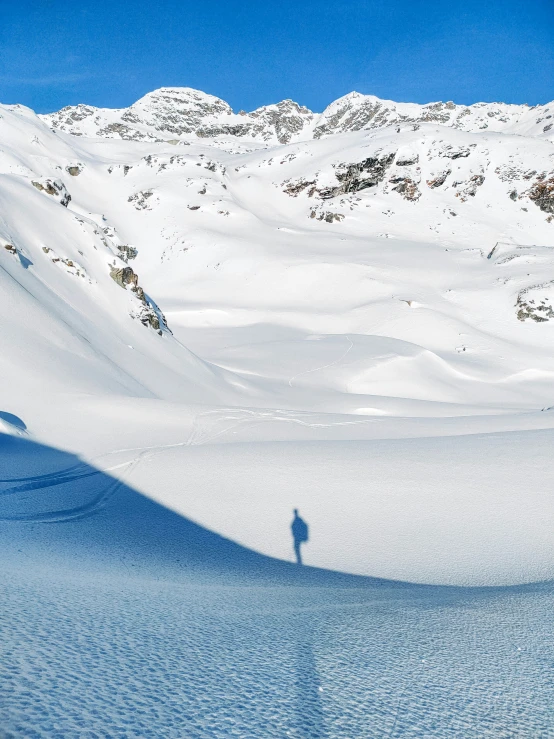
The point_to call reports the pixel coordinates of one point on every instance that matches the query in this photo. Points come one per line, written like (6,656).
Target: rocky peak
(182,113)
(355,112)
(287,118)
(178,110)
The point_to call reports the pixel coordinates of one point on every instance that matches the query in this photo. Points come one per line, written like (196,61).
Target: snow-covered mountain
(227,316)
(171,114)
(175,274)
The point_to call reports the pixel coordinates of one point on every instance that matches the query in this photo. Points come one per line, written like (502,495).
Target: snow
(123,618)
(183,113)
(209,319)
(274,661)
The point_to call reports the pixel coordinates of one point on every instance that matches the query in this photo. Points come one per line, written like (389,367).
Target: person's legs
(297,552)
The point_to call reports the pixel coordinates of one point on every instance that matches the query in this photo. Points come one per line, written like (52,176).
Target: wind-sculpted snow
(128,657)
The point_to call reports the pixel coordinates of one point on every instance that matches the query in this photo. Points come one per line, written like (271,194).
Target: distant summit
(182,113)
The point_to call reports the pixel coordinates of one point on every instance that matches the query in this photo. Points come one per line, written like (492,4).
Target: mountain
(176,277)
(321,235)
(182,114)
(171,114)
(209,319)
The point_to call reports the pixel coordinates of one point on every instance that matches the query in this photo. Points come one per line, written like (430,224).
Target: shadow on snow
(56,510)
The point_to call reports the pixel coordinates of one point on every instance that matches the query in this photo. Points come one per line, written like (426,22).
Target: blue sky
(253,52)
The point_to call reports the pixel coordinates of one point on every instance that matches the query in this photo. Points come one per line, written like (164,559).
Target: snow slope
(375,278)
(122,619)
(208,319)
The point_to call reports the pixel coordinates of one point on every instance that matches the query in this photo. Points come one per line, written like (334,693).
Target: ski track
(46,483)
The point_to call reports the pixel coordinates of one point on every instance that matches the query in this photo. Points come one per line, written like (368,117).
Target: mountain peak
(180,96)
(179,113)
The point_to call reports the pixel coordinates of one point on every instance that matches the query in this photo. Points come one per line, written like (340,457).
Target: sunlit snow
(209,319)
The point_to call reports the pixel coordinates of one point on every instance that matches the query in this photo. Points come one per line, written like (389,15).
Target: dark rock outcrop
(127,252)
(55,188)
(528,309)
(407,187)
(358,176)
(439,180)
(149,313)
(542,194)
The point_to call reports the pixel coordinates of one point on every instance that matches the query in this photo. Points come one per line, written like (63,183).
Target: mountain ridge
(185,113)
(150,246)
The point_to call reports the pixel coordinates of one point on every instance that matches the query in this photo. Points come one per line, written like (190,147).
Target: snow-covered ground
(208,319)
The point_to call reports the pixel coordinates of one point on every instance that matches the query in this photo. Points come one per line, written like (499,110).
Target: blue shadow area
(13,420)
(310,720)
(56,508)
(121,618)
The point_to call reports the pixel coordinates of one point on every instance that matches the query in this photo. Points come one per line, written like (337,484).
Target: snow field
(204,327)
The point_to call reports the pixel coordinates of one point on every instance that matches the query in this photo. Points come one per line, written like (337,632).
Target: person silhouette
(299,529)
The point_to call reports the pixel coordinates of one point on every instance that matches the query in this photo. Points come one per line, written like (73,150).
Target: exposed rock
(326,215)
(124,276)
(140,199)
(358,176)
(508,173)
(74,170)
(353,113)
(69,265)
(362,175)
(471,186)
(148,312)
(539,309)
(170,113)
(407,188)
(56,188)
(11,248)
(453,152)
(286,118)
(440,179)
(127,252)
(120,130)
(407,161)
(294,188)
(542,194)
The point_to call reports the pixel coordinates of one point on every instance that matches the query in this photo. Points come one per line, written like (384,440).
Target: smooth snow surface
(209,318)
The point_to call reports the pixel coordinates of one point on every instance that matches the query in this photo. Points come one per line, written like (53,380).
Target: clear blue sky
(253,52)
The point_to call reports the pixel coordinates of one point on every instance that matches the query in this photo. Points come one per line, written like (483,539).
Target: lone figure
(299,529)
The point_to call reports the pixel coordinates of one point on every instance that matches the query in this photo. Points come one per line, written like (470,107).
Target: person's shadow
(54,507)
(309,718)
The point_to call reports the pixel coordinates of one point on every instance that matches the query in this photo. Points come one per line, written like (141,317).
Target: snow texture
(210,318)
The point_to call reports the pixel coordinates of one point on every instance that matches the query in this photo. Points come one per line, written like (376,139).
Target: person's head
(296,512)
